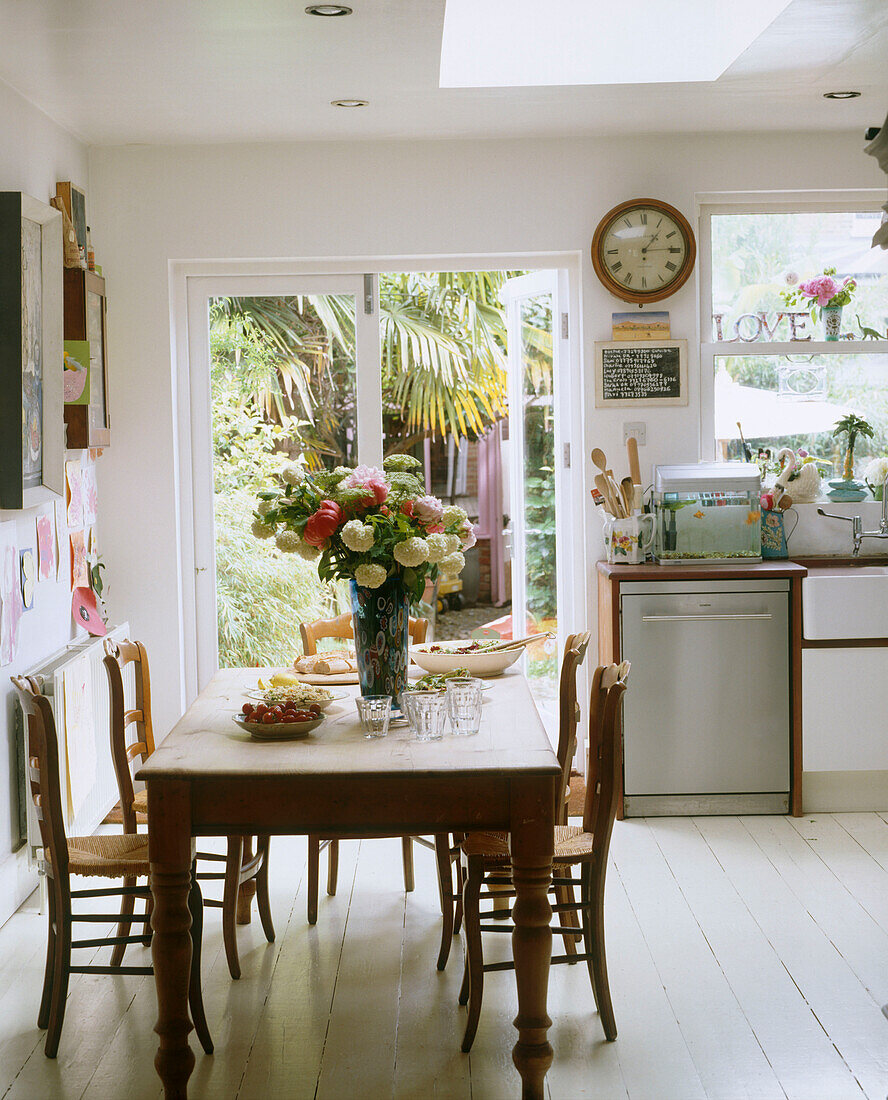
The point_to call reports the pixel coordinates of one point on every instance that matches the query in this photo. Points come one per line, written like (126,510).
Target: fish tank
(707,513)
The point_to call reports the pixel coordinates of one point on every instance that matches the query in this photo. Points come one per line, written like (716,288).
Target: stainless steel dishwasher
(706,724)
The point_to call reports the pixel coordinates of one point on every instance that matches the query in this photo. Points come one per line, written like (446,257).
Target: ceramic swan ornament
(805,487)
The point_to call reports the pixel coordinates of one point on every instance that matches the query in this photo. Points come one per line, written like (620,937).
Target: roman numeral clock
(643,250)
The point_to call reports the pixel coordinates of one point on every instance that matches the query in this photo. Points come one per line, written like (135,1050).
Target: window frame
(862,200)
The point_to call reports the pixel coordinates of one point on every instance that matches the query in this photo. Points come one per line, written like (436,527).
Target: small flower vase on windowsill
(381,618)
(832,322)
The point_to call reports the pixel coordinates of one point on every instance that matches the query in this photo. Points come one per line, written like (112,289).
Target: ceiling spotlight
(349,102)
(841,95)
(329,10)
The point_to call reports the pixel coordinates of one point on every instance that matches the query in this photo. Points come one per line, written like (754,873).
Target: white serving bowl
(480,663)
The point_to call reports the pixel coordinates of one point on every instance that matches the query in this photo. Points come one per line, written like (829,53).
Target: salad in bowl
(470,656)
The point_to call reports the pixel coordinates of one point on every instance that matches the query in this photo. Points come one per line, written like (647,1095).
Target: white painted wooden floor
(748,958)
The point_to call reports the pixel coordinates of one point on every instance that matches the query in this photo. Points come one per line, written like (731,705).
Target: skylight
(514,43)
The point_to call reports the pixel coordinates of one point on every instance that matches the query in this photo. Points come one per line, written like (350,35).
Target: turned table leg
(170,854)
(531,846)
(247,890)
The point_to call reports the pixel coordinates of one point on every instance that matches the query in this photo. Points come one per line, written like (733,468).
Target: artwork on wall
(10,594)
(89,493)
(32,437)
(76,372)
(74,479)
(80,749)
(28,576)
(61,542)
(46,546)
(79,563)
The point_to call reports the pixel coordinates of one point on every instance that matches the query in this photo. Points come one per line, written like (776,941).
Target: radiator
(86,771)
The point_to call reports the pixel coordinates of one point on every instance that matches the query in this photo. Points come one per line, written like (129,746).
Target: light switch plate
(637,428)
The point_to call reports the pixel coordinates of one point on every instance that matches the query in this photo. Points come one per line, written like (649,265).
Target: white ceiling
(196,71)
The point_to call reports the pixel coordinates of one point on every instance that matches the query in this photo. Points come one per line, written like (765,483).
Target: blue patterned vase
(381,617)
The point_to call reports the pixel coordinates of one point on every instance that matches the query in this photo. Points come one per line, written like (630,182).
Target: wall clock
(643,250)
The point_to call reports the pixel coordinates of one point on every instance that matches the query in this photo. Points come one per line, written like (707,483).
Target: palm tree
(443,358)
(854,426)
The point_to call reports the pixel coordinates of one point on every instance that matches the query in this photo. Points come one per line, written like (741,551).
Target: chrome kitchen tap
(857,532)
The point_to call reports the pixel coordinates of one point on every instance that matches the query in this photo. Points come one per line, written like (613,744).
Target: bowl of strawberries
(278,722)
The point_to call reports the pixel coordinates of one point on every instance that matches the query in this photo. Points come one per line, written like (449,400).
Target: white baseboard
(17,882)
(838,792)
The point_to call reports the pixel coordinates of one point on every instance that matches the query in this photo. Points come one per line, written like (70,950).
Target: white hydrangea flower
(438,547)
(288,541)
(370,576)
(410,552)
(263,530)
(454,514)
(358,536)
(453,564)
(293,474)
(308,552)
(264,506)
(454,543)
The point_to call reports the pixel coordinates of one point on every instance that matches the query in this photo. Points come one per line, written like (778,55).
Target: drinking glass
(375,712)
(464,705)
(425,713)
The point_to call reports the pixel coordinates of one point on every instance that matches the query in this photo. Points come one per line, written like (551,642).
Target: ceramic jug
(628,540)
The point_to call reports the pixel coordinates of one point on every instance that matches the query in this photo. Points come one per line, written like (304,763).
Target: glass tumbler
(464,705)
(425,712)
(375,712)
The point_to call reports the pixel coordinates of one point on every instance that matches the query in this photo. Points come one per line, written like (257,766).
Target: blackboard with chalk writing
(641,373)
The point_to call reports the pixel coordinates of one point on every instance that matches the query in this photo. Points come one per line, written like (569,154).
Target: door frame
(191,398)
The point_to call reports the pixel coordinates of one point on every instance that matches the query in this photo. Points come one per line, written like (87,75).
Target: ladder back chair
(486,862)
(120,856)
(448,854)
(243,869)
(343,627)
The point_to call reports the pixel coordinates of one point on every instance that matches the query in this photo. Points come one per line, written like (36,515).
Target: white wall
(34,154)
(156,205)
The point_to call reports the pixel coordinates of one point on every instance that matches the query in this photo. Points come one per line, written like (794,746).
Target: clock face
(643,251)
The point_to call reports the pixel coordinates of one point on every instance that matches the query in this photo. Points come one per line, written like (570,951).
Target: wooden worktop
(766,570)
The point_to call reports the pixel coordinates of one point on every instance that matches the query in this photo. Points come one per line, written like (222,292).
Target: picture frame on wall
(32,434)
(73,199)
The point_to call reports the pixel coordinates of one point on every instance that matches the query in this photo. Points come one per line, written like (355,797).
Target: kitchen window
(766,363)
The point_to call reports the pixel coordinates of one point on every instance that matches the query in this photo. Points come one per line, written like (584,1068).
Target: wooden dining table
(209,778)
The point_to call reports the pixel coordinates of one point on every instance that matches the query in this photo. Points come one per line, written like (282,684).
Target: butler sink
(846,602)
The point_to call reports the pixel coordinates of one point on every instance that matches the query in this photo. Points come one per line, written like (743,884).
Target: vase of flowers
(825,295)
(383,533)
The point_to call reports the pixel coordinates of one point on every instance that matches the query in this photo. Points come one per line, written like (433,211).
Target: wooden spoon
(634,466)
(614,506)
(599,459)
(627,489)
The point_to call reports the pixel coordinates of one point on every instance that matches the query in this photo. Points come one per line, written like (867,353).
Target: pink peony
(321,524)
(371,479)
(428,509)
(821,288)
(467,536)
(407,508)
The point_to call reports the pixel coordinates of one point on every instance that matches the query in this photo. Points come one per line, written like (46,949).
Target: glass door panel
(534,443)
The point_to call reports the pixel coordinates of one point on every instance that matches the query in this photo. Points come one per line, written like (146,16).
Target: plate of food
(276,723)
(284,690)
(338,666)
(478,657)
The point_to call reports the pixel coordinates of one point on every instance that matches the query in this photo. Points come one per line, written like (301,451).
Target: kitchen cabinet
(84,319)
(712,715)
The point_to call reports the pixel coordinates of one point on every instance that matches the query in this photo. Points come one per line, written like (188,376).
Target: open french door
(359,295)
(540,419)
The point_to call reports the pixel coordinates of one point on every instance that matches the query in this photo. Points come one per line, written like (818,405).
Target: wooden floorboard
(748,959)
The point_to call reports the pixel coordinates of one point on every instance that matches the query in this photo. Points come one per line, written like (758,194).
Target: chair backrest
(42,764)
(118,655)
(575,647)
(342,627)
(605,753)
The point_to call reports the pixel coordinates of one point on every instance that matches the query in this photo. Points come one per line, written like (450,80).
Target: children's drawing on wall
(79,563)
(28,576)
(73,476)
(46,546)
(10,594)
